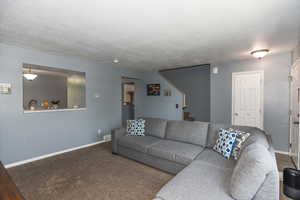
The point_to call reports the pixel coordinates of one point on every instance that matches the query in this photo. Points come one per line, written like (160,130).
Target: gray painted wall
(276,94)
(195,83)
(45,88)
(24,136)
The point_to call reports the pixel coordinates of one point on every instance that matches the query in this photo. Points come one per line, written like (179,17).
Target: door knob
(236,114)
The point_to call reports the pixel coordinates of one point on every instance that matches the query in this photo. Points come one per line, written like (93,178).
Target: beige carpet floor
(89,174)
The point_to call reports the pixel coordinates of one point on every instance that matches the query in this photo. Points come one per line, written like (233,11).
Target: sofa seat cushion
(138,143)
(199,180)
(194,132)
(179,152)
(214,158)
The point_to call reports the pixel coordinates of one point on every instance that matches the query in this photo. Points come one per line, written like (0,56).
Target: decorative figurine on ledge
(55,104)
(45,105)
(32,104)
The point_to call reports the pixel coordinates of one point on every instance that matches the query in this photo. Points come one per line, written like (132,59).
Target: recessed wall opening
(128,99)
(51,89)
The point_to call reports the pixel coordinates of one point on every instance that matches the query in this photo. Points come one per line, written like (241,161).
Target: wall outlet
(5,88)
(107,138)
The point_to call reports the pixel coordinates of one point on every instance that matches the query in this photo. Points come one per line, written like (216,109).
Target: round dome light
(260,53)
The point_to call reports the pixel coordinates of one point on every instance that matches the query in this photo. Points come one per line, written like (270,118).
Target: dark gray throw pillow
(240,139)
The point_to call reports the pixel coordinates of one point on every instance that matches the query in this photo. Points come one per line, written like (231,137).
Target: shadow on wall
(195,83)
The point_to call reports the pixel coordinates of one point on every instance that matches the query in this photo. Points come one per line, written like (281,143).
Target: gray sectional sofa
(185,148)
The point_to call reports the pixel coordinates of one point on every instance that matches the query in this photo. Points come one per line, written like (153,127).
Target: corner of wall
(296,53)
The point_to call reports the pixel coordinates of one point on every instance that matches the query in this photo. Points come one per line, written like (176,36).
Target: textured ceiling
(152,34)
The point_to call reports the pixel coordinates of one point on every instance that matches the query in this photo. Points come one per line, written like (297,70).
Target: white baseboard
(282,152)
(52,154)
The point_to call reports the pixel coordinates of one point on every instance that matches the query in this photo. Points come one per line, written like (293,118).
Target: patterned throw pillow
(240,139)
(136,127)
(225,142)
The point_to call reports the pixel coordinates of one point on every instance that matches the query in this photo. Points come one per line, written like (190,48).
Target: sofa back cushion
(257,136)
(155,127)
(251,171)
(213,133)
(186,131)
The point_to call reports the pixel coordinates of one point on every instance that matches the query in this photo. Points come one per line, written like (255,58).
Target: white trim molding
(52,154)
(53,110)
(282,152)
(296,62)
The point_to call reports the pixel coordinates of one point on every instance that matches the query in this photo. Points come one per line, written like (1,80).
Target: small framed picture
(153,89)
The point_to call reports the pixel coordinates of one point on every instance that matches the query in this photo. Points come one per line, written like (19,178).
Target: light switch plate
(5,88)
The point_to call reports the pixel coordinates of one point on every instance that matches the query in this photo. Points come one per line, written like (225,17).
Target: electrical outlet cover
(107,137)
(5,88)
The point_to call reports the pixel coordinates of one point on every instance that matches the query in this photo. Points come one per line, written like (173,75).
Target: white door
(247,98)
(294,117)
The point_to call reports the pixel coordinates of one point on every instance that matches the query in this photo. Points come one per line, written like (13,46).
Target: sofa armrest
(116,133)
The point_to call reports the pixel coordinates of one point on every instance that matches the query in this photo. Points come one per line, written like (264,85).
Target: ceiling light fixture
(260,53)
(29,75)
(116,61)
